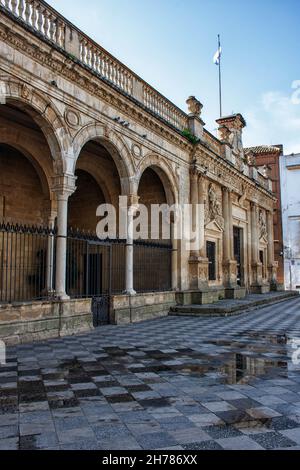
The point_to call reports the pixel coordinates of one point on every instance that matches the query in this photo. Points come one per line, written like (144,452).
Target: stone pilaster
(198,263)
(203,261)
(272,264)
(256,265)
(229,264)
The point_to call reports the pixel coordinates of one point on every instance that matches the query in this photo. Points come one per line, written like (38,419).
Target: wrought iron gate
(89,272)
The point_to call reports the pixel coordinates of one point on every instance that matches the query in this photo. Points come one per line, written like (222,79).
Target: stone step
(233,307)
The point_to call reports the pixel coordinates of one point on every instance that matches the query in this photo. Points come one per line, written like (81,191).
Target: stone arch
(115,147)
(30,150)
(164,172)
(44,113)
(98,177)
(24,187)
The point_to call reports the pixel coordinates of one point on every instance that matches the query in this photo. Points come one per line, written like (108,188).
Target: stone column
(131,210)
(272,265)
(229,264)
(50,255)
(63,187)
(255,263)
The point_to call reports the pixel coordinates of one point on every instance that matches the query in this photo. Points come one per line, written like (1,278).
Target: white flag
(217,56)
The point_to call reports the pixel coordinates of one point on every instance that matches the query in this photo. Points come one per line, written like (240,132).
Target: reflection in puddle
(253,355)
(236,368)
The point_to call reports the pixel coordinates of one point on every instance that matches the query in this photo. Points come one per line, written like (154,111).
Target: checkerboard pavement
(174,383)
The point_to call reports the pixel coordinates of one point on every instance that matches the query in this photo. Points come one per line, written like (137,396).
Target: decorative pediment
(216,226)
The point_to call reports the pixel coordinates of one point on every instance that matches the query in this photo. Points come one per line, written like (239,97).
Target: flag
(217,56)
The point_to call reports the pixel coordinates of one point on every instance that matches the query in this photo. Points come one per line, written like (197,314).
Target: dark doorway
(238,253)
(211,255)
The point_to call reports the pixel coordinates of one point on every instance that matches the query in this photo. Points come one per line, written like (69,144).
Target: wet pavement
(174,383)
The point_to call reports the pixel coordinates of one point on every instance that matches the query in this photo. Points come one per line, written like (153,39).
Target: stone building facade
(78,128)
(267,160)
(290,177)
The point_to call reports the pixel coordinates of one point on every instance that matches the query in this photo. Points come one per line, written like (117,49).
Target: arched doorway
(95,268)
(26,241)
(153,256)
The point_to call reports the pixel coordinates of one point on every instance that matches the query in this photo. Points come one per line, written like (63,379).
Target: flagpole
(220,76)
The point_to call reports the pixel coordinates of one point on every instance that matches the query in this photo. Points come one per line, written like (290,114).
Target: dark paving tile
(222,432)
(281,423)
(273,440)
(155,440)
(205,445)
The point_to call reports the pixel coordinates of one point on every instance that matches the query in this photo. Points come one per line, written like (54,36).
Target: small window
(261,257)
(211,255)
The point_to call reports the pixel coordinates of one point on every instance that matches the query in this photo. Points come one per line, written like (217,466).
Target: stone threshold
(230,307)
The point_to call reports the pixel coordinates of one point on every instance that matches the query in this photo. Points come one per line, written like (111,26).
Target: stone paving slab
(169,384)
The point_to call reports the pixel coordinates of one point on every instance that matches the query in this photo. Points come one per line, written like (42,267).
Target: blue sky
(171,43)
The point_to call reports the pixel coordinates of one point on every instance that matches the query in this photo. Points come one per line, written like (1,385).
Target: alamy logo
(2,353)
(2,93)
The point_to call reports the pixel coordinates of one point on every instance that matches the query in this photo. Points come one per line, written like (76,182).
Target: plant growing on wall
(191,137)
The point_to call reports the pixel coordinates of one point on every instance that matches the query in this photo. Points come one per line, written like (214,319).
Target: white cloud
(275,119)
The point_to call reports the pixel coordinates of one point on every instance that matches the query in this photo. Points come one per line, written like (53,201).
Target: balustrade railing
(40,17)
(50,24)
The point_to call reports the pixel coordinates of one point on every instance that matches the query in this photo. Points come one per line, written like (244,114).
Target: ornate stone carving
(25,91)
(244,196)
(136,150)
(263,232)
(194,106)
(72,118)
(214,208)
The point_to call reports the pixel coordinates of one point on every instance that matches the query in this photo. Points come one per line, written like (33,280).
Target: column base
(260,289)
(200,297)
(230,274)
(198,270)
(272,272)
(61,296)
(236,292)
(130,292)
(257,276)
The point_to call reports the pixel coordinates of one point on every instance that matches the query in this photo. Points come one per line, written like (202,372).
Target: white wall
(290,194)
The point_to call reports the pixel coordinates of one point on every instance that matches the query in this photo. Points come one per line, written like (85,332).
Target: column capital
(64,185)
(194,173)
(225,189)
(133,199)
(51,215)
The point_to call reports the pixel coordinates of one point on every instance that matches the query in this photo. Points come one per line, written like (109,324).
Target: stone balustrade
(39,16)
(46,21)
